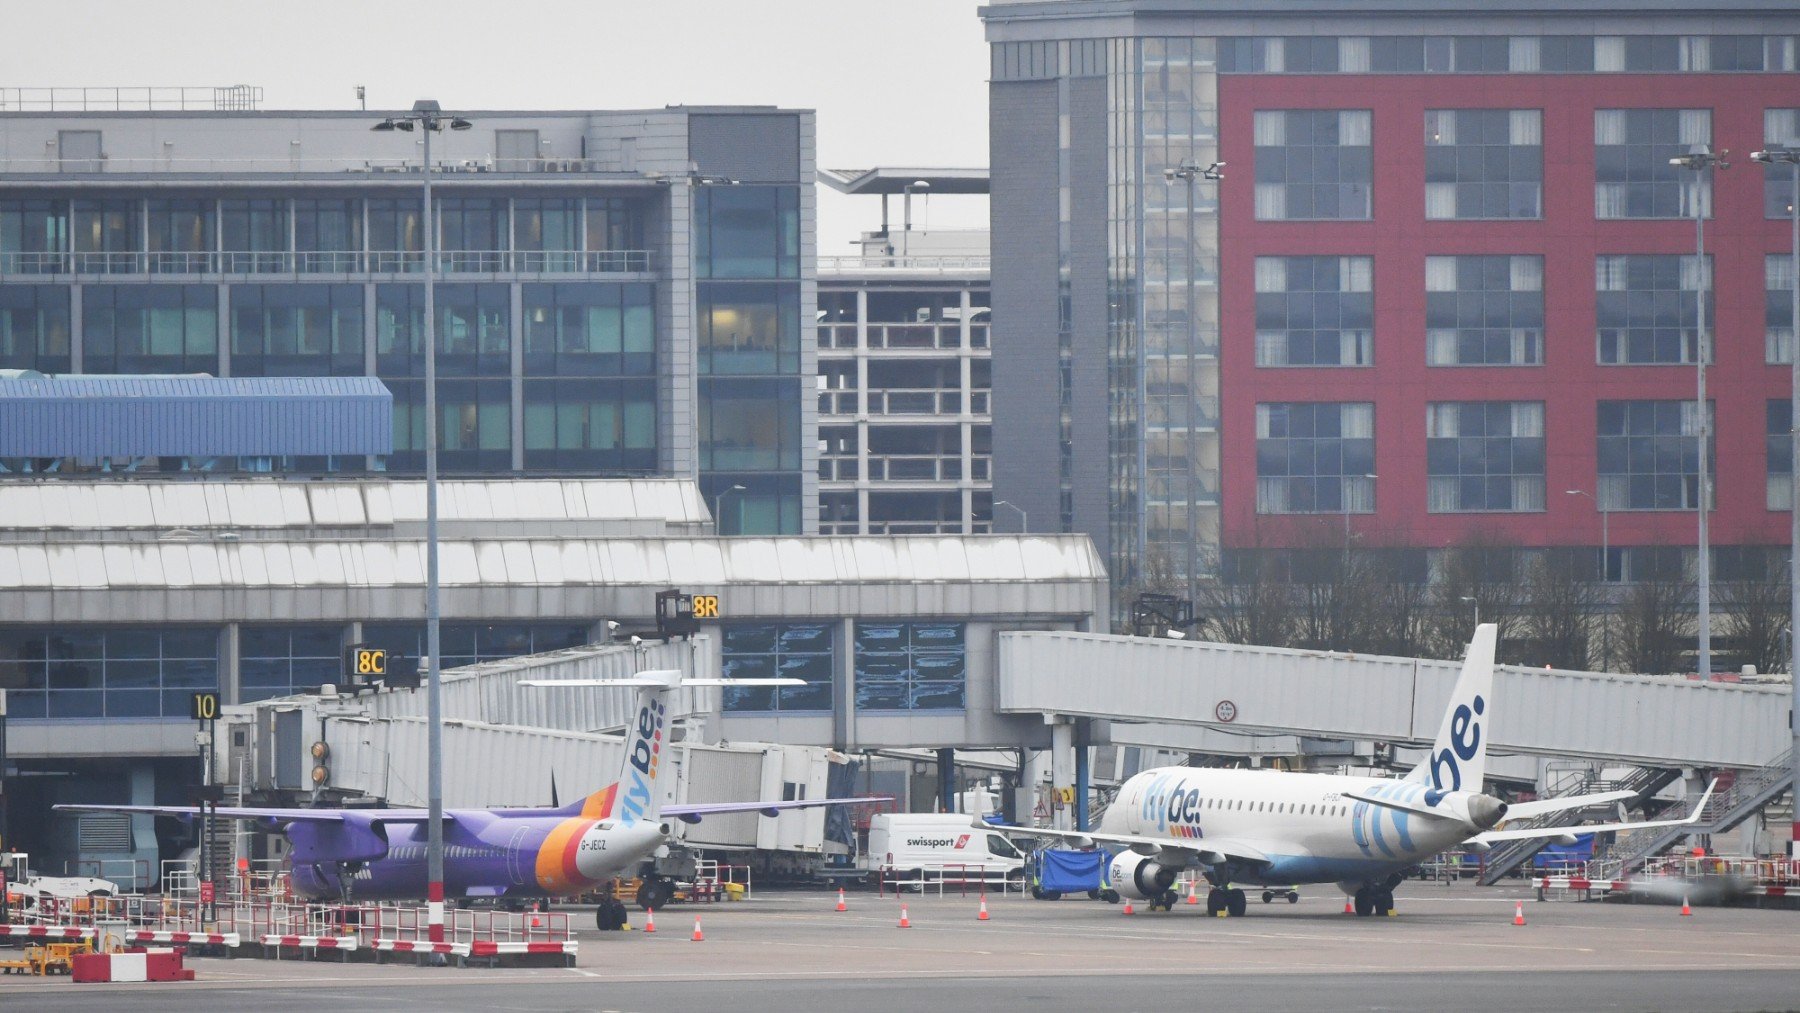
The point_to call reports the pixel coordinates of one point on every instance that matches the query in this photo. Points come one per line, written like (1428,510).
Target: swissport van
(915,847)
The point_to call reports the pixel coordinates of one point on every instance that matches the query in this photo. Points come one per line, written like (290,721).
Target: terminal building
(1447,288)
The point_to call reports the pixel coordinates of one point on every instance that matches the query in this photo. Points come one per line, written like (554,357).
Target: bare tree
(1655,620)
(1561,602)
(1756,611)
(1399,606)
(1477,575)
(1249,604)
(1157,575)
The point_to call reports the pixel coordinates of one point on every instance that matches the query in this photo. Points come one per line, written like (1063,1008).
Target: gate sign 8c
(205,706)
(368,661)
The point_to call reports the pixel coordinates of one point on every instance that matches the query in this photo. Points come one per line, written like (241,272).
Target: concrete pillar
(843,688)
(946,771)
(230,678)
(1062,768)
(1082,780)
(143,828)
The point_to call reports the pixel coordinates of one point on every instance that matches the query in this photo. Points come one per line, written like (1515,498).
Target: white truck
(911,849)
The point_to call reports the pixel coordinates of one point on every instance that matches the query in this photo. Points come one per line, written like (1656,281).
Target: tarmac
(1449,947)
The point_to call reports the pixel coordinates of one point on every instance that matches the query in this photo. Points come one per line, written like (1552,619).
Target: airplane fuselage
(1310,832)
(486,854)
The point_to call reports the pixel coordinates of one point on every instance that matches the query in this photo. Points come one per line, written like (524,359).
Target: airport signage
(1226,711)
(204,706)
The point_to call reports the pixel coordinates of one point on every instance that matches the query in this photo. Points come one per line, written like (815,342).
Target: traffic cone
(1685,909)
(1128,909)
(698,935)
(1193,898)
(649,920)
(841,905)
(905,922)
(983,916)
(1349,909)
(1519,913)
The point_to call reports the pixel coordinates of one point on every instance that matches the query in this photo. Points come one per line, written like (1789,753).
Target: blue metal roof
(194,416)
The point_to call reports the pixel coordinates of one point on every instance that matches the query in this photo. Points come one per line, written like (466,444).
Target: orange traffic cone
(649,919)
(1349,909)
(905,922)
(1685,909)
(1193,898)
(1128,909)
(841,905)
(698,935)
(983,916)
(1519,913)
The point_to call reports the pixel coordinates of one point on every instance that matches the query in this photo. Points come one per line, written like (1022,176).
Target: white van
(916,847)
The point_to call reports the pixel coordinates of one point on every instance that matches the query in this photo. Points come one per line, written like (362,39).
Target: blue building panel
(127,416)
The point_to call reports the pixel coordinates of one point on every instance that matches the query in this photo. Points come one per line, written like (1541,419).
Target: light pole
(906,214)
(1791,157)
(719,505)
(1605,572)
(1702,161)
(428,117)
(1475,602)
(1024,518)
(1188,171)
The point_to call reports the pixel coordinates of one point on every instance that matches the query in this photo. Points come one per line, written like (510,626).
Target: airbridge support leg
(1081,774)
(1062,769)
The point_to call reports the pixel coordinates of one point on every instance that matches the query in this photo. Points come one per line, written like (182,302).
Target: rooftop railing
(242,262)
(236,97)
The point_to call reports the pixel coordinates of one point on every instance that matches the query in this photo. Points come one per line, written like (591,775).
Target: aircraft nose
(1486,811)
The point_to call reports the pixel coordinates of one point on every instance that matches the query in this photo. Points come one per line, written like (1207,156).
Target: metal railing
(938,336)
(237,97)
(966,264)
(259,262)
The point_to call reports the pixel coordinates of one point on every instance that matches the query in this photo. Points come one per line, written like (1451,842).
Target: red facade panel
(1569,237)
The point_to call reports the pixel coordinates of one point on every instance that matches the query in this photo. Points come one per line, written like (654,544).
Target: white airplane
(1276,829)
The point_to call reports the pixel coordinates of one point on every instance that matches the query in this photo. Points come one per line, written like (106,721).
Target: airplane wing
(1495,836)
(256,813)
(694,813)
(1200,851)
(1526,810)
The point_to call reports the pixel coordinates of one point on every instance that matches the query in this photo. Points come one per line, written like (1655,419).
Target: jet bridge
(1178,687)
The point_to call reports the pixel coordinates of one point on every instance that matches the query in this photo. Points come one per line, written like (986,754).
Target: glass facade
(34,328)
(33,236)
(1313,164)
(589,329)
(910,666)
(1632,174)
(1489,54)
(106,672)
(1315,458)
(1484,311)
(472,643)
(1778,313)
(1781,128)
(749,329)
(1484,163)
(283,660)
(297,330)
(747,231)
(1484,456)
(1315,311)
(1649,454)
(778,651)
(1779,453)
(254,234)
(1645,308)
(150,329)
(181,232)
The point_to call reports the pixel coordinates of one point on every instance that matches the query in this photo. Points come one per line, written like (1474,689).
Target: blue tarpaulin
(1061,871)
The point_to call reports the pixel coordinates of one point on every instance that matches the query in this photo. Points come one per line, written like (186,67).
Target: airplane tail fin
(635,796)
(1458,756)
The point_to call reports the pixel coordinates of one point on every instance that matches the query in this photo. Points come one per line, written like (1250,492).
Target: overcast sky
(901,82)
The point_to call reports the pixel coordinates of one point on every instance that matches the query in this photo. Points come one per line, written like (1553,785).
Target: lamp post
(906,214)
(1475,602)
(428,118)
(1024,518)
(1702,161)
(1188,171)
(719,505)
(1605,571)
(1790,156)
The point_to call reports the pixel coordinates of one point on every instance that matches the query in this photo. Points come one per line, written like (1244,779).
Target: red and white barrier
(155,965)
(502,949)
(1582,883)
(344,943)
(46,931)
(183,938)
(421,946)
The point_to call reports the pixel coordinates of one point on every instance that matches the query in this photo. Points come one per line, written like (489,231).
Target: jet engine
(1139,876)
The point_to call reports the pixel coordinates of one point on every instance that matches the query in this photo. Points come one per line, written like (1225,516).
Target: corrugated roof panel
(457,563)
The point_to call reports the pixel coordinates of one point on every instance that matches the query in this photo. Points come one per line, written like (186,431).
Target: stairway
(1644,782)
(1747,795)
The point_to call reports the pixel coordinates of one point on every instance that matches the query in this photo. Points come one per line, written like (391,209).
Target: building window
(547,231)
(284,660)
(594,425)
(399,331)
(1484,163)
(1632,174)
(396,240)
(254,235)
(1313,164)
(749,328)
(108,235)
(476,430)
(470,230)
(778,651)
(474,330)
(589,329)
(748,503)
(1645,309)
(34,236)
(1315,311)
(1484,311)
(34,328)
(181,234)
(107,672)
(297,330)
(1781,128)
(327,234)
(1315,458)
(1778,308)
(150,328)
(1779,449)
(1485,456)
(472,643)
(749,425)
(910,666)
(615,223)
(1649,455)
(747,231)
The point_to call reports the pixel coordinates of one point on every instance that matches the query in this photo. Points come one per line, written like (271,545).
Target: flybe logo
(1172,807)
(1465,742)
(646,752)
(1366,820)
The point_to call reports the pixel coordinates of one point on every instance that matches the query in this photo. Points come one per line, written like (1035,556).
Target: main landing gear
(1374,899)
(1227,899)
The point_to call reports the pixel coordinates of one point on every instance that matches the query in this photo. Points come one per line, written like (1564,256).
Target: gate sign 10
(205,706)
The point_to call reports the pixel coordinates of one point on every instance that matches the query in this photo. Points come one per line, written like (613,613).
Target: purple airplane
(380,854)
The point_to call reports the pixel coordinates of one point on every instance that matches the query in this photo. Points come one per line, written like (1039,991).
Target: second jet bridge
(1663,721)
